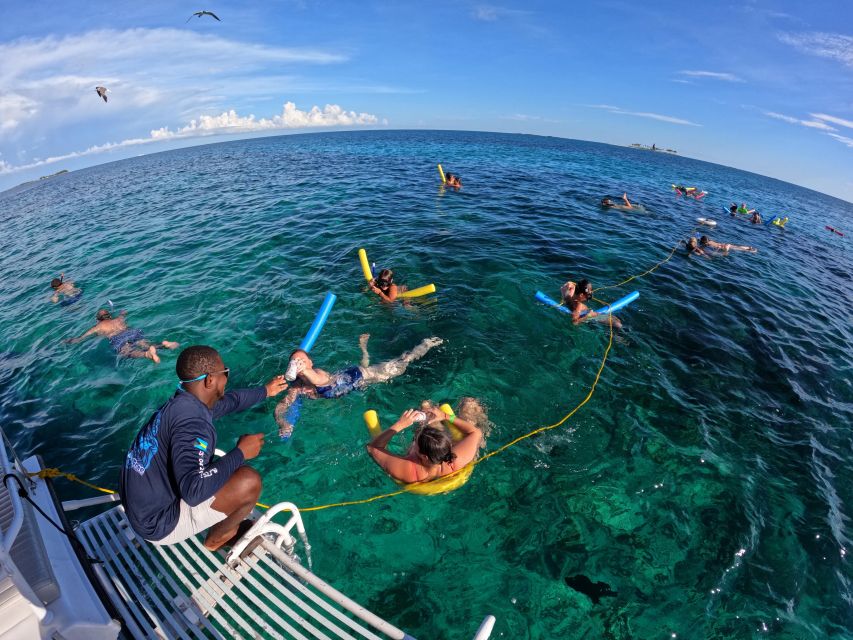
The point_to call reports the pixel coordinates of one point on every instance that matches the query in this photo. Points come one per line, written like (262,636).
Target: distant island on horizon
(654,147)
(29,182)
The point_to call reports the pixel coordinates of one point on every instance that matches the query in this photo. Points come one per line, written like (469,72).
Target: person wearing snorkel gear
(127,342)
(705,241)
(433,454)
(315,383)
(756,217)
(607,203)
(733,209)
(453,181)
(64,289)
(693,248)
(170,487)
(383,286)
(575,296)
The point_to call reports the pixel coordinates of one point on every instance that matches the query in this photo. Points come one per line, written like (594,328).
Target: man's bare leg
(144,351)
(385,371)
(362,343)
(236,498)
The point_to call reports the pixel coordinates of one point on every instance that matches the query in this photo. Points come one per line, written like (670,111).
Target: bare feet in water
(152,354)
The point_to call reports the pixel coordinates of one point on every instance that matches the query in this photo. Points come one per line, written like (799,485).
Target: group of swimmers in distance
(754,216)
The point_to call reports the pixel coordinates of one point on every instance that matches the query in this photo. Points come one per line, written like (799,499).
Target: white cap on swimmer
(296,366)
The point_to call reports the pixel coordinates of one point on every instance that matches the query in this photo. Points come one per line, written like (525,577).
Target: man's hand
(250,444)
(275,386)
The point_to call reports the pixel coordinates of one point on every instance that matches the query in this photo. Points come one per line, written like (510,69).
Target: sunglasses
(225,372)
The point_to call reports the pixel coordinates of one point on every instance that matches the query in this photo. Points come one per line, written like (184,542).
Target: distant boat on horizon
(654,147)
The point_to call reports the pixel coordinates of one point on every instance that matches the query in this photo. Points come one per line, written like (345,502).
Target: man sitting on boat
(169,487)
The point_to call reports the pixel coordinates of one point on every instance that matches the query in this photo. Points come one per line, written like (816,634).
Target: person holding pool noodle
(433,453)
(312,382)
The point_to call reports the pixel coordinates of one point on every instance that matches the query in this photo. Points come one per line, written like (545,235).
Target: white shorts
(193,520)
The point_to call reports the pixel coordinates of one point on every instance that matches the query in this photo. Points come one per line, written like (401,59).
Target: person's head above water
(201,372)
(606,202)
(56,283)
(704,240)
(583,289)
(385,279)
(435,444)
(691,244)
(102,315)
(299,361)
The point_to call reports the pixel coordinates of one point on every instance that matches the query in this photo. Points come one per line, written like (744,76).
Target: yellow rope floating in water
(645,273)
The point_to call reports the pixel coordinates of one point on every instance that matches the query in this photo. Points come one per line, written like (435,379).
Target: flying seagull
(204,13)
(102,91)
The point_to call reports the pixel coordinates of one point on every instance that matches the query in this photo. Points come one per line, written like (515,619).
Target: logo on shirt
(200,444)
(145,447)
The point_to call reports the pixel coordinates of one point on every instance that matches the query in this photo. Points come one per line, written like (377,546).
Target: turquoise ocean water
(707,482)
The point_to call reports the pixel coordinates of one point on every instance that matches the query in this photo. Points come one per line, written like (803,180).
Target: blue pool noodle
(320,320)
(610,308)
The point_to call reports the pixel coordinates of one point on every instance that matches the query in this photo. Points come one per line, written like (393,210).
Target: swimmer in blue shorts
(125,341)
(64,291)
(315,383)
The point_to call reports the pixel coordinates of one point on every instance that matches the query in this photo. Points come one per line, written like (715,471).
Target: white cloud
(290,117)
(153,74)
(14,108)
(228,122)
(491,13)
(645,114)
(826,45)
(842,139)
(714,75)
(841,122)
(812,124)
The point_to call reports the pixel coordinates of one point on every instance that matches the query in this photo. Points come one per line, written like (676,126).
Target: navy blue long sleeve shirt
(169,460)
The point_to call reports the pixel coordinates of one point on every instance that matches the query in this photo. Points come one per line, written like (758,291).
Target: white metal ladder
(185,591)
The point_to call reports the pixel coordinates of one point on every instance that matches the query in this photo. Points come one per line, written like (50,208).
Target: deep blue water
(707,482)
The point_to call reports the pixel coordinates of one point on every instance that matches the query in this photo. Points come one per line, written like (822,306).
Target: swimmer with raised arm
(127,342)
(315,383)
(433,454)
(705,241)
(607,203)
(64,289)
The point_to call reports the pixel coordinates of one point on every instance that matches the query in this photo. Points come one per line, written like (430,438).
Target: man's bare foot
(152,354)
(170,345)
(362,340)
(285,432)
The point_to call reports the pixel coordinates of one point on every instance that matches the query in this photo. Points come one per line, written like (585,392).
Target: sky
(758,85)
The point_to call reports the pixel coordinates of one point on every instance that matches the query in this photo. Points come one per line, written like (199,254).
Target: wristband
(451,418)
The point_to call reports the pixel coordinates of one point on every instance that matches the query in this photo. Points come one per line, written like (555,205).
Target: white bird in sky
(102,91)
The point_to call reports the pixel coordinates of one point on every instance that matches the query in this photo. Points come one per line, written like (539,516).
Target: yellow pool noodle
(365,265)
(433,487)
(441,173)
(371,419)
(455,433)
(420,291)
